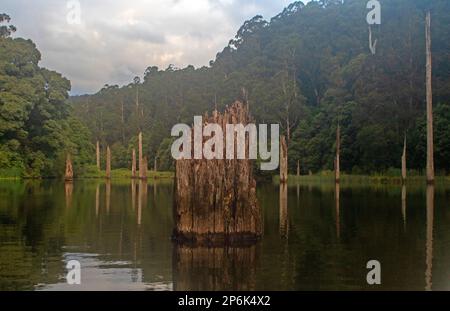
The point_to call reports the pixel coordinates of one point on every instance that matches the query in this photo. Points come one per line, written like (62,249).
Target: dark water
(314,239)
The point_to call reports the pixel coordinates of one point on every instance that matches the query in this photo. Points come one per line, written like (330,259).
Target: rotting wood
(215,200)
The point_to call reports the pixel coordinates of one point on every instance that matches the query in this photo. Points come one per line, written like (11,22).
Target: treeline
(37,126)
(308,69)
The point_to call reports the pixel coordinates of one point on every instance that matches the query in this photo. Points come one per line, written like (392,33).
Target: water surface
(316,237)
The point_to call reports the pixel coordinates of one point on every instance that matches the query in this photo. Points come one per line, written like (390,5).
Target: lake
(316,237)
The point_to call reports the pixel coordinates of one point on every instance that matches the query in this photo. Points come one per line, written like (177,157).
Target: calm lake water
(316,237)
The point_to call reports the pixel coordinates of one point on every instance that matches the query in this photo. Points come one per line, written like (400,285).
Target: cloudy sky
(117,39)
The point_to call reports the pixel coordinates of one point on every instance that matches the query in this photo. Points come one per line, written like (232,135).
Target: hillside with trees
(308,69)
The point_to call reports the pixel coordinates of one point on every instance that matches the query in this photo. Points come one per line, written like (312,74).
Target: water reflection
(130,248)
(68,188)
(284,220)
(337,199)
(429,243)
(404,206)
(214,268)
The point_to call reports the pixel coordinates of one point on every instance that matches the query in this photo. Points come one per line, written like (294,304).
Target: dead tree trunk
(430,147)
(108,162)
(97,153)
(144,168)
(133,163)
(155,168)
(337,168)
(404,161)
(298,168)
(283,160)
(215,200)
(141,164)
(68,176)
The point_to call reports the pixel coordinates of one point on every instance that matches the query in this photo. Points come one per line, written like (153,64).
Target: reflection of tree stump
(215,200)
(221,268)
(284,219)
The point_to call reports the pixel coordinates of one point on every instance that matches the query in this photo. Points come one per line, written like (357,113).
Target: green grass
(121,173)
(328,177)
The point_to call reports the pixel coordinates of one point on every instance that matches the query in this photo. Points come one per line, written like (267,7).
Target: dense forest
(37,124)
(309,69)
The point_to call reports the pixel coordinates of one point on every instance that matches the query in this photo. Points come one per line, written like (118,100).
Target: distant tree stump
(68,176)
(215,200)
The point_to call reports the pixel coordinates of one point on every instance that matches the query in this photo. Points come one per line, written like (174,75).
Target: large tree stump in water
(215,200)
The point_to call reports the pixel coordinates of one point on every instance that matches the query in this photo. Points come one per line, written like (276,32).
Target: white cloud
(118,40)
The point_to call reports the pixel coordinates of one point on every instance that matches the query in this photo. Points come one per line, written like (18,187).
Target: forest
(308,69)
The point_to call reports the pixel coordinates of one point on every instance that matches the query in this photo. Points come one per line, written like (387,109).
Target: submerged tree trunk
(283,160)
(97,153)
(108,162)
(337,164)
(215,200)
(68,176)
(404,161)
(430,147)
(133,164)
(141,164)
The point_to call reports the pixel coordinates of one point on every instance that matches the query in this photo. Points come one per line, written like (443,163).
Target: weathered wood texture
(97,154)
(133,164)
(68,175)
(215,200)
(214,268)
(140,159)
(108,162)
(337,161)
(283,160)
(430,146)
(404,161)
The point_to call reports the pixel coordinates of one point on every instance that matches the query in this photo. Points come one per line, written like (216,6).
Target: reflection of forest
(328,244)
(46,220)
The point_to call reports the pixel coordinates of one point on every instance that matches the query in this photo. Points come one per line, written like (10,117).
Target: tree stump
(283,160)
(215,200)
(108,162)
(133,164)
(68,176)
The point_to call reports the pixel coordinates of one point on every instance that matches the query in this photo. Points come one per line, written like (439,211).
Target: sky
(112,41)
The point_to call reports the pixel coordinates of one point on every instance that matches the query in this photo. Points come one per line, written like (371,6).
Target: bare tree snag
(404,161)
(215,200)
(372,44)
(143,171)
(155,167)
(68,176)
(283,160)
(108,162)
(141,164)
(298,168)
(337,166)
(430,146)
(97,153)
(133,163)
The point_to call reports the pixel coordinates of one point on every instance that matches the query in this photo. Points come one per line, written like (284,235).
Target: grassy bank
(92,172)
(361,179)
